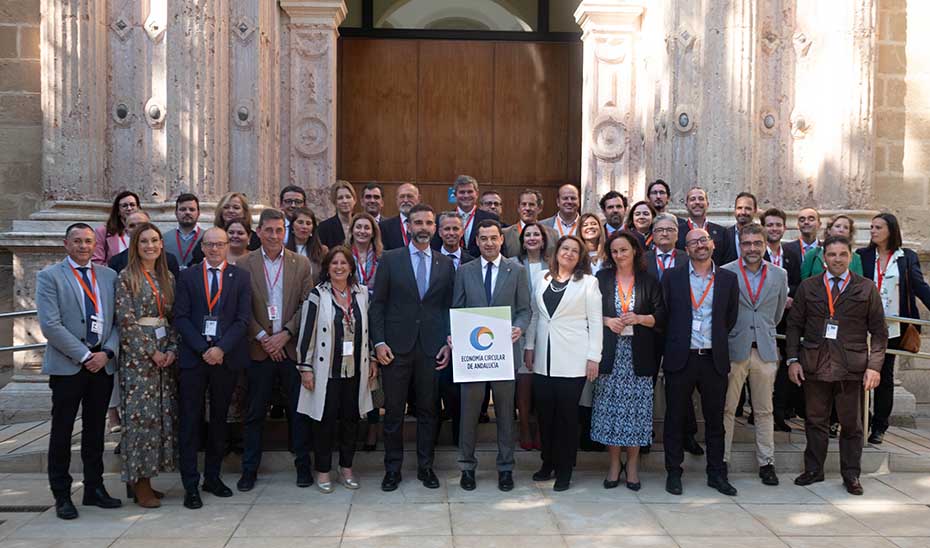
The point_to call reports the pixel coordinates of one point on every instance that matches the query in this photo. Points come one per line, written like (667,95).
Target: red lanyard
(830,300)
(691,225)
(661,264)
(878,268)
(776,259)
(87,291)
(558,223)
(185,254)
(347,315)
(365,274)
(206,287)
(403,232)
(625,297)
(803,249)
(161,313)
(758,292)
(468,224)
(710,284)
(272,285)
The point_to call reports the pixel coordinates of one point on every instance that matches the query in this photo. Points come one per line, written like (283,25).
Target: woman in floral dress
(148,373)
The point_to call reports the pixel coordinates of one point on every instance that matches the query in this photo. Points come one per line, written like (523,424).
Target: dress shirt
(755,278)
(610,230)
(415,260)
(456,256)
(276,295)
(667,258)
(807,247)
(466,226)
(90,276)
(219,273)
(484,269)
(565,228)
(776,259)
(287,229)
(828,278)
(701,339)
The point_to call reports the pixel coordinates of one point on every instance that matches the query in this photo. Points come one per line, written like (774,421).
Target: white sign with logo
(481,346)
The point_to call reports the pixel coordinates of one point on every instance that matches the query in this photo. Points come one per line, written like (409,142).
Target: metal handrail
(17,314)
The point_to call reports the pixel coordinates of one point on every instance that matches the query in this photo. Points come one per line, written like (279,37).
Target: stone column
(312,89)
(611,128)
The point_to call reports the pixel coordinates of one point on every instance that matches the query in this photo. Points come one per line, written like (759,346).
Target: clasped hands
(622,321)
(162,359)
(385,355)
(273,345)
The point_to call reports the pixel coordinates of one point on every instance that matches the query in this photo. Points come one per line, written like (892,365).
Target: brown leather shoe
(145,497)
(853,487)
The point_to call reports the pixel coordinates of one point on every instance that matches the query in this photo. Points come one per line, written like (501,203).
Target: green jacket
(813,264)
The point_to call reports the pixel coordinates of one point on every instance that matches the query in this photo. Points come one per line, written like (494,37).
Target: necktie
(455,262)
(836,288)
(664,264)
(421,274)
(487,282)
(214,283)
(92,338)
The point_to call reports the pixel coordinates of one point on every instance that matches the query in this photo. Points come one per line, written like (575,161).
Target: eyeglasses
(294,202)
(699,241)
(664,230)
(752,244)
(213,245)
(491,204)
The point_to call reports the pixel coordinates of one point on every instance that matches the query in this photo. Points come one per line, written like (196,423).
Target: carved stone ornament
(769,121)
(684,120)
(155,27)
(242,115)
(243,28)
(311,44)
(122,113)
(770,41)
(802,44)
(799,125)
(155,113)
(121,27)
(610,50)
(685,37)
(311,137)
(608,138)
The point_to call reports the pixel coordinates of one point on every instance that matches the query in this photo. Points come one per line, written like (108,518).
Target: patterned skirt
(622,411)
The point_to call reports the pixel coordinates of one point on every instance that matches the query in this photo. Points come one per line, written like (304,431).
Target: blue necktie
(664,259)
(421,274)
(214,283)
(89,311)
(487,283)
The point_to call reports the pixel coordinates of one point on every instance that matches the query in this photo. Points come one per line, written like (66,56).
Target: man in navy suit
(697,204)
(744,210)
(465,188)
(213,309)
(394,231)
(703,303)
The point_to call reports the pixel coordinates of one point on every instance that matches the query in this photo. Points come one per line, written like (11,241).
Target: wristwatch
(791,361)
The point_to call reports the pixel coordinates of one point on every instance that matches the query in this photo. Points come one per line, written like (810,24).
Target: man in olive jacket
(834,314)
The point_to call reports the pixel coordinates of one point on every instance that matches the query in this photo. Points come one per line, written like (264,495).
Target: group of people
(351,314)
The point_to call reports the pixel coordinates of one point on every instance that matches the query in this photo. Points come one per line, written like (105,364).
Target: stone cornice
(325,13)
(607,15)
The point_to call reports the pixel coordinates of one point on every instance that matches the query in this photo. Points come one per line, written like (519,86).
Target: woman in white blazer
(563,344)
(333,359)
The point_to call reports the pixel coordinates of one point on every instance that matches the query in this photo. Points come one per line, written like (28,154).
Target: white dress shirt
(494,270)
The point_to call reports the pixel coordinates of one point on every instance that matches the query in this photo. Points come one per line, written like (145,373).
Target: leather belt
(702,351)
(151,321)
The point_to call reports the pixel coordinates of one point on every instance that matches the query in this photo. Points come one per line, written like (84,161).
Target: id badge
(96,326)
(695,325)
(210,326)
(627,331)
(272,313)
(832,330)
(348,348)
(161,332)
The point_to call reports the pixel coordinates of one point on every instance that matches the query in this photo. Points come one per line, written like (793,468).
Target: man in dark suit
(808,228)
(213,309)
(702,302)
(119,261)
(409,320)
(788,258)
(658,193)
(465,188)
(613,206)
(394,231)
(528,209)
(745,212)
(697,205)
(835,314)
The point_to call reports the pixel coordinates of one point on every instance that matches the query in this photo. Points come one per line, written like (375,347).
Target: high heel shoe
(610,484)
(349,482)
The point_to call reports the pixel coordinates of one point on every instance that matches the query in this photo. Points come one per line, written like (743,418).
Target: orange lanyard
(558,223)
(803,249)
(88,291)
(185,254)
(661,264)
(752,297)
(878,268)
(161,313)
(206,287)
(691,225)
(649,240)
(831,301)
(710,284)
(625,297)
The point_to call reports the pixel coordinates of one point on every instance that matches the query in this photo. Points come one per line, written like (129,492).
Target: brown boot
(145,497)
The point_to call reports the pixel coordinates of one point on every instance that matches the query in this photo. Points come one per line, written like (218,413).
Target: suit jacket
(731,250)
(676,287)
(464,257)
(471,246)
(791,262)
(392,233)
(511,288)
(171,246)
(908,265)
(119,262)
(233,311)
(330,232)
(297,285)
(58,300)
(550,222)
(398,316)
(574,334)
(106,246)
(511,246)
(757,321)
(652,266)
(794,246)
(858,309)
(716,234)
(648,300)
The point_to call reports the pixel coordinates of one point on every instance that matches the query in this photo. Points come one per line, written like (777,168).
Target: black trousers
(788,398)
(450,397)
(194,382)
(396,378)
(338,425)
(698,373)
(884,392)
(90,392)
(557,412)
(261,377)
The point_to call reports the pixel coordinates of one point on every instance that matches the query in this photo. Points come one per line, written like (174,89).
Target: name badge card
(627,331)
(348,348)
(832,330)
(273,313)
(96,326)
(210,326)
(695,325)
(161,332)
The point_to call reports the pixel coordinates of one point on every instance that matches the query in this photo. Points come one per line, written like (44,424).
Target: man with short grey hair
(465,189)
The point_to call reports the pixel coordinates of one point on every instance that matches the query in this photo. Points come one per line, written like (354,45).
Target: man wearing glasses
(292,198)
(658,194)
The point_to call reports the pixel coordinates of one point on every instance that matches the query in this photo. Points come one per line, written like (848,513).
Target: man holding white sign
(493,281)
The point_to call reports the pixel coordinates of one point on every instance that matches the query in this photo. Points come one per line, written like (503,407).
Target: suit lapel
(570,291)
(76,290)
(257,271)
(502,274)
(290,277)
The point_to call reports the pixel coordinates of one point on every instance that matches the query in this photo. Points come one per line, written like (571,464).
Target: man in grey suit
(763,291)
(529,209)
(491,281)
(76,304)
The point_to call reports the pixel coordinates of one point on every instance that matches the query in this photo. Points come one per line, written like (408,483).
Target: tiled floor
(893,512)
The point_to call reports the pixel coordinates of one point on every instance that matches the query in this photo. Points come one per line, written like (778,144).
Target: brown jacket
(858,311)
(297,285)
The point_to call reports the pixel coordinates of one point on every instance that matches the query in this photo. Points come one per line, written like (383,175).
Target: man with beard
(566,221)
(292,198)
(373,200)
(409,325)
(745,213)
(658,194)
(697,205)
(613,206)
(529,208)
(809,228)
(394,231)
(182,240)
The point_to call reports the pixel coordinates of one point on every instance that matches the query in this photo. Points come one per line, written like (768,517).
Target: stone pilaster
(312,35)
(74,99)
(611,128)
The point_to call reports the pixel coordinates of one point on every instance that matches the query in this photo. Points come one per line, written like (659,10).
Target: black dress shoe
(192,499)
(544,474)
(100,498)
(65,509)
(304,477)
(484,418)
(876,437)
(634,486)
(673,485)
(767,473)
(782,426)
(610,484)
(853,487)
(468,480)
(721,484)
(562,484)
(808,478)
(692,446)
(246,482)
(428,477)
(391,481)
(217,487)
(505,480)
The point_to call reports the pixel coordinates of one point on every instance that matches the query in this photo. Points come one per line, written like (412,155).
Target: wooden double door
(425,111)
